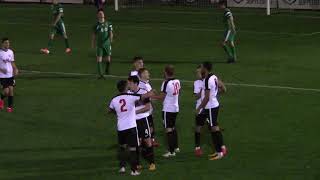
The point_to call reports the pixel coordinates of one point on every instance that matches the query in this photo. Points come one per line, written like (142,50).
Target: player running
(170,96)
(123,105)
(198,90)
(137,64)
(229,34)
(8,70)
(144,75)
(209,108)
(57,27)
(102,38)
(142,113)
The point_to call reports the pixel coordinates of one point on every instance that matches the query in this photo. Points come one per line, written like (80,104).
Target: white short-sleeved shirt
(125,107)
(145,85)
(134,73)
(141,104)
(6,58)
(171,88)
(198,87)
(211,84)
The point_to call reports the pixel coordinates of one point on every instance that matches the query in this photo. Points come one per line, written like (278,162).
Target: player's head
(122,86)
(199,72)
(169,71)
(55,1)
(133,82)
(5,43)
(222,4)
(206,67)
(100,15)
(138,62)
(144,74)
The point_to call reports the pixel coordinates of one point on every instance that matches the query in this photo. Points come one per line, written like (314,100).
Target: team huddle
(133,108)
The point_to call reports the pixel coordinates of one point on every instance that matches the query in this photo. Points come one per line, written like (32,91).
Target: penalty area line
(187,81)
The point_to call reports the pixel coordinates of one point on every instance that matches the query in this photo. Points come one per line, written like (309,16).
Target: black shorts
(211,115)
(129,137)
(150,120)
(169,119)
(143,128)
(6,82)
(201,119)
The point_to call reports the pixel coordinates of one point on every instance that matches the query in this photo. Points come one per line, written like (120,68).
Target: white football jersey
(211,83)
(198,87)
(134,73)
(6,58)
(141,104)
(125,107)
(171,88)
(145,85)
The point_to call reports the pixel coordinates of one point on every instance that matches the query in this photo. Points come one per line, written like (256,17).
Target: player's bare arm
(57,18)
(15,68)
(146,108)
(197,95)
(231,24)
(221,86)
(204,101)
(160,96)
(111,36)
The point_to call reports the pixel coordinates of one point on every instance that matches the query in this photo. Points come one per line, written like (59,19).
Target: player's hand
(16,72)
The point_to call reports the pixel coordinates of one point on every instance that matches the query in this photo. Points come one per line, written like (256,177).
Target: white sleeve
(12,56)
(111,106)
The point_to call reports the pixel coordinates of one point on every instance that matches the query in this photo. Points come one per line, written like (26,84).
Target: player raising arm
(209,108)
(8,70)
(229,33)
(57,27)
(102,38)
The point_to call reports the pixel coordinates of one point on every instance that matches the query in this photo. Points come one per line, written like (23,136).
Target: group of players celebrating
(133,108)
(133,105)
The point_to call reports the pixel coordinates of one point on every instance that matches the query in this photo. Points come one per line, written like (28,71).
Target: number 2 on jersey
(176,88)
(123,105)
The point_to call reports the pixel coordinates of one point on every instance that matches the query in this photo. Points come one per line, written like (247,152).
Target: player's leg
(225,46)
(152,129)
(175,132)
(216,134)
(10,99)
(99,63)
(133,143)
(170,135)
(147,150)
(200,120)
(4,93)
(65,36)
(52,33)
(233,48)
(107,58)
(122,151)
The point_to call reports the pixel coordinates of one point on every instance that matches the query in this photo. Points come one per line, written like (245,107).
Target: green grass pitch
(60,130)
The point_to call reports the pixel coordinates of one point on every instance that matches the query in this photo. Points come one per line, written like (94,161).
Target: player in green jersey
(102,37)
(57,27)
(229,33)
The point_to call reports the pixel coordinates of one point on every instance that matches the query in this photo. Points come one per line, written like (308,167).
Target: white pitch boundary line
(179,28)
(187,81)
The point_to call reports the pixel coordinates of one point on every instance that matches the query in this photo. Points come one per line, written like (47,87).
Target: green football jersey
(56,9)
(226,16)
(102,31)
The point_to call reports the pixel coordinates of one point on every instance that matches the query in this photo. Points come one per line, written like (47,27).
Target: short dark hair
(122,85)
(141,70)
(4,39)
(134,79)
(137,58)
(169,69)
(207,65)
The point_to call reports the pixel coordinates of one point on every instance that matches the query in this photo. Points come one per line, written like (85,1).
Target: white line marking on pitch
(188,81)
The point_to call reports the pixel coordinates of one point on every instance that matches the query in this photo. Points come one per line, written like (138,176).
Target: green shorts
(229,36)
(103,51)
(58,29)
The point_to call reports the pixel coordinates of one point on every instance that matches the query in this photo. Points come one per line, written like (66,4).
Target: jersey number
(123,105)
(176,88)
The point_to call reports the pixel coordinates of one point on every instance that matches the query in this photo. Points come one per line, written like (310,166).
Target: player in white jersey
(8,70)
(145,84)
(170,90)
(123,105)
(210,108)
(198,90)
(137,64)
(142,112)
